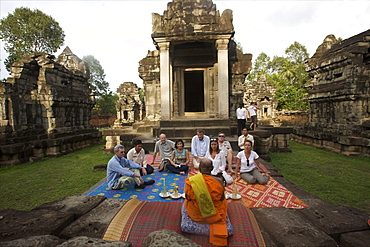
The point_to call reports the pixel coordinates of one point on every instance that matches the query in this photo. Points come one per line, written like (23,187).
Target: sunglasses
(213,140)
(221,136)
(247,162)
(122,152)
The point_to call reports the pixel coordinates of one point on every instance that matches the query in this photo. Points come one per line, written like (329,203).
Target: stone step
(182,131)
(195,123)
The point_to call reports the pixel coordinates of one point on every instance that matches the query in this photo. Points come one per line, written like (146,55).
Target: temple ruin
(130,106)
(262,92)
(197,71)
(196,79)
(45,108)
(339,114)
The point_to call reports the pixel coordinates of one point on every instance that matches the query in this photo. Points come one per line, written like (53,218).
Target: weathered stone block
(167,238)
(286,228)
(96,221)
(20,224)
(355,239)
(76,204)
(34,241)
(334,220)
(96,242)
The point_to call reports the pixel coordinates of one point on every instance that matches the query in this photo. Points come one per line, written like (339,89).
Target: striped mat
(136,219)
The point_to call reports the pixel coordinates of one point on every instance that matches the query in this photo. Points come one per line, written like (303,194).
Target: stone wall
(102,120)
(339,114)
(290,118)
(45,108)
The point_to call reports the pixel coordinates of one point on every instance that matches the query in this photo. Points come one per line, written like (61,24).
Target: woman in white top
(219,161)
(248,162)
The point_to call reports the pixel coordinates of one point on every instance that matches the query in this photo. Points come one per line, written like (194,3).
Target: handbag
(162,166)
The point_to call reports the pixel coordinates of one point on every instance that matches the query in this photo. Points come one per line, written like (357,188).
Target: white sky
(118,33)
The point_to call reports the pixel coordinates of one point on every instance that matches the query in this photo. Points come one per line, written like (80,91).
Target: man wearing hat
(137,155)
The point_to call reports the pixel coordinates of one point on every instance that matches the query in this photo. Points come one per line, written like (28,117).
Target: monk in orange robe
(208,206)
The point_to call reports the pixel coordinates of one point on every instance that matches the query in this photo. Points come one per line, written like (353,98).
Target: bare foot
(182,173)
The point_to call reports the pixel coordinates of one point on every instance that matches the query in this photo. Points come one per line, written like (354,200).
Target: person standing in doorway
(241,115)
(252,114)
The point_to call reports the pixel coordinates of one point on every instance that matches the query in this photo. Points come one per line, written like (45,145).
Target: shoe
(150,182)
(141,186)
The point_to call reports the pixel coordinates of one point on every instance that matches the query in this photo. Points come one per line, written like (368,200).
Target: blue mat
(149,193)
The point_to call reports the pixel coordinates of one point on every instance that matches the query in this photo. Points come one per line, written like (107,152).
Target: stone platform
(80,220)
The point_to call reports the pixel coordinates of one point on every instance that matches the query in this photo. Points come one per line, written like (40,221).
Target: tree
(97,77)
(27,31)
(287,73)
(290,77)
(261,67)
(106,104)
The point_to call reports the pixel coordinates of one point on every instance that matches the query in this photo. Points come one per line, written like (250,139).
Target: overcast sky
(118,33)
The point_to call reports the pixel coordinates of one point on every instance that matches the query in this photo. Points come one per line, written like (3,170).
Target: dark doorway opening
(194,91)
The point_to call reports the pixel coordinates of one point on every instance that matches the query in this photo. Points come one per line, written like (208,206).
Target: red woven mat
(272,194)
(137,219)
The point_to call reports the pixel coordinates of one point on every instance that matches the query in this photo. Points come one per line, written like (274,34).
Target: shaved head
(206,166)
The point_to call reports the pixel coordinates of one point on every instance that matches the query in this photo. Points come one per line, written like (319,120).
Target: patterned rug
(272,194)
(150,193)
(136,219)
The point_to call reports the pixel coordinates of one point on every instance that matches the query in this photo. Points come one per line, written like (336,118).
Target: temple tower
(197,71)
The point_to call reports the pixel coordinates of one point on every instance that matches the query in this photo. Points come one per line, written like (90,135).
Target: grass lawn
(336,178)
(26,186)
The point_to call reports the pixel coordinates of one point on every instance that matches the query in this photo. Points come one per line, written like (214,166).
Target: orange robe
(218,229)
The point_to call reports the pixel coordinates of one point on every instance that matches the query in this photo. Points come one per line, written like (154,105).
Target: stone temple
(339,114)
(196,79)
(197,71)
(45,108)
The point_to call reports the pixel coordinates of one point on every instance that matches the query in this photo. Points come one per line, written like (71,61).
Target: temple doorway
(194,91)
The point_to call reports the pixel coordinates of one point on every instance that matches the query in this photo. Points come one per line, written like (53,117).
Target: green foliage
(26,186)
(262,66)
(27,31)
(336,178)
(287,74)
(106,104)
(97,77)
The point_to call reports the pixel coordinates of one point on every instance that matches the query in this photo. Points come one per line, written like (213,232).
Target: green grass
(26,186)
(336,178)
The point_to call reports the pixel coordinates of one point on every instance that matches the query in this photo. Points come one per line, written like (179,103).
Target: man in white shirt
(241,115)
(245,136)
(199,147)
(137,155)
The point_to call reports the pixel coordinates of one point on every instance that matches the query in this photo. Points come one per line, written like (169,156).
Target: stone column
(165,80)
(223,78)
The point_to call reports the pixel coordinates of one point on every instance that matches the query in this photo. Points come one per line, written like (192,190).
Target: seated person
(245,136)
(179,159)
(164,148)
(205,202)
(137,155)
(199,147)
(217,156)
(226,147)
(248,163)
(122,172)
